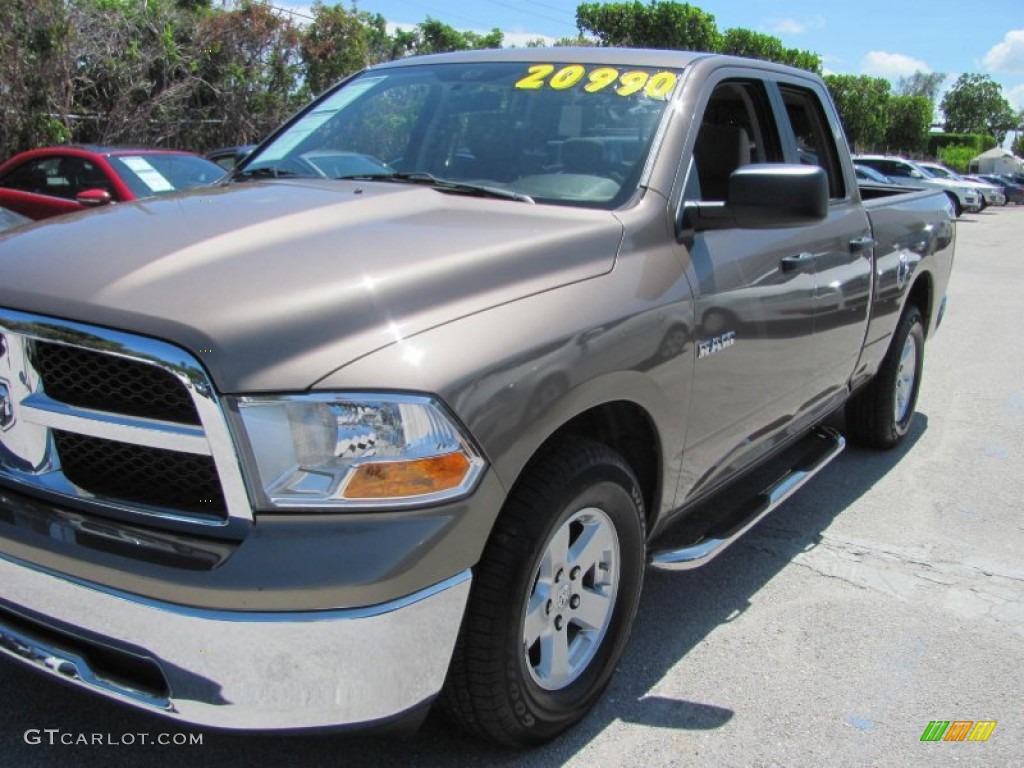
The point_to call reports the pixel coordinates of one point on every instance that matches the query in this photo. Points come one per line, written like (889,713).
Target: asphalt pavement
(887,594)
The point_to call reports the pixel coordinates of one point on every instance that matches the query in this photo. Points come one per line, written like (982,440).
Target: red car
(48,182)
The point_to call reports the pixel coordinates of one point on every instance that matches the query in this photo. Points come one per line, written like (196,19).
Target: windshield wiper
(265,172)
(444,185)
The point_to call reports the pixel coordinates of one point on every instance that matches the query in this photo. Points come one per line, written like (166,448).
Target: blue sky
(881,37)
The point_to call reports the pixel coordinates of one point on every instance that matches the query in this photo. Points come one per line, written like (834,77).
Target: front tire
(879,416)
(553,598)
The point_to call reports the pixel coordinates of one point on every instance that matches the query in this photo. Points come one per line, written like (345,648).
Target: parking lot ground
(887,594)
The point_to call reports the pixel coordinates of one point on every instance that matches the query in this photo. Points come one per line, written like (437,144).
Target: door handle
(859,244)
(797,261)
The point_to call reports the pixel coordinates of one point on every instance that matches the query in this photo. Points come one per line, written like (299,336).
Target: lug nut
(574,601)
(547,608)
(558,622)
(559,575)
(575,574)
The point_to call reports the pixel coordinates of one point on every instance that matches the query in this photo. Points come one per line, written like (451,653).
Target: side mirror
(94,198)
(916,175)
(766,196)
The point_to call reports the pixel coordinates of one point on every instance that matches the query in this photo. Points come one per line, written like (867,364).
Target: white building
(997,160)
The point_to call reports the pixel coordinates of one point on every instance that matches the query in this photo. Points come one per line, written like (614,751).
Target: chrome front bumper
(262,671)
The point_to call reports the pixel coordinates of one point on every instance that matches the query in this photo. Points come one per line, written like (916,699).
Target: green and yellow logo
(958,730)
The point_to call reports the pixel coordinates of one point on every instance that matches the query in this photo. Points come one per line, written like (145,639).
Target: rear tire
(879,416)
(553,598)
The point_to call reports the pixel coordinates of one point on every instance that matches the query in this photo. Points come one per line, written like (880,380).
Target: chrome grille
(105,382)
(114,419)
(136,473)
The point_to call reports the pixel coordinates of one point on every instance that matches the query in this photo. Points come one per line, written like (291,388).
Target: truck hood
(275,284)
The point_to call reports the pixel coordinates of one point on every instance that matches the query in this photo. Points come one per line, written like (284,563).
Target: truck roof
(620,56)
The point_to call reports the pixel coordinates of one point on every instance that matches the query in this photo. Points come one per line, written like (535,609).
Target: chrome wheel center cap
(563,596)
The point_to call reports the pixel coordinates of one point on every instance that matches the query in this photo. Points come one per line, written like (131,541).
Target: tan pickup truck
(397,412)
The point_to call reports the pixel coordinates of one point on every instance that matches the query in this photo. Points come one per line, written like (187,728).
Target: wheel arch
(625,425)
(922,296)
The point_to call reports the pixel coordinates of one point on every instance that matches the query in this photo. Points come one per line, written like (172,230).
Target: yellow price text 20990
(656,86)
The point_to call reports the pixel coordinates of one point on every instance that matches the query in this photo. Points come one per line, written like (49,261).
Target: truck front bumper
(356,667)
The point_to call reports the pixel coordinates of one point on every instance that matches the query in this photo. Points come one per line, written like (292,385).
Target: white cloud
(520,38)
(1007,56)
(788,27)
(393,26)
(1015,96)
(884,64)
(794,26)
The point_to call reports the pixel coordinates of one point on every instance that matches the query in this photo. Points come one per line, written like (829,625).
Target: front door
(754,302)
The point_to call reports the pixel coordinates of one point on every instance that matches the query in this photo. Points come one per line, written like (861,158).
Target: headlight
(332,450)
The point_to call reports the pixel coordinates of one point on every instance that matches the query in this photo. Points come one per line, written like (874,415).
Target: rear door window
(815,143)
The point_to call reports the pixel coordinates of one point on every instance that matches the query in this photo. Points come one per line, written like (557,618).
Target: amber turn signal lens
(401,479)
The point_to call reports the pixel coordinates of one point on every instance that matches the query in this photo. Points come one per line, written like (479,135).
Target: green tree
(958,157)
(660,24)
(679,26)
(382,46)
(433,36)
(37,38)
(336,43)
(925,84)
(756,45)
(250,75)
(863,103)
(580,41)
(437,37)
(908,123)
(975,104)
(139,71)
(1017,146)
(492,39)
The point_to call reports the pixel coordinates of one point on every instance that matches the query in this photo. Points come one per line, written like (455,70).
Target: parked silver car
(965,197)
(990,193)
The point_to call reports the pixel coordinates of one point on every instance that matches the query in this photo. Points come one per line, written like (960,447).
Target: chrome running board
(829,445)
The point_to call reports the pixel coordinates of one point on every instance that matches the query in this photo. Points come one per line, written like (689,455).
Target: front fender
(516,374)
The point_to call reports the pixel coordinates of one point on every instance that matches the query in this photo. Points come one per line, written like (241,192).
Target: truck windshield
(575,134)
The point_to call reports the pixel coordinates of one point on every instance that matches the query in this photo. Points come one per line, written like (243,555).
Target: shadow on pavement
(677,612)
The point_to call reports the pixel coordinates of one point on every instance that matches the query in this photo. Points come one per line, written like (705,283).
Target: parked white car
(990,194)
(964,197)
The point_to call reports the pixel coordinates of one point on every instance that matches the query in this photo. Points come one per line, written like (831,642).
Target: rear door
(841,246)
